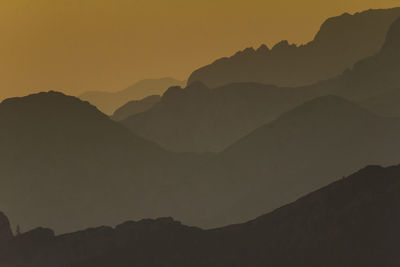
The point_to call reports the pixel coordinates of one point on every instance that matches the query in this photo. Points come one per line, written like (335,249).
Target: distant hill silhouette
(341,42)
(302,150)
(197,119)
(108,102)
(66,164)
(351,223)
(134,107)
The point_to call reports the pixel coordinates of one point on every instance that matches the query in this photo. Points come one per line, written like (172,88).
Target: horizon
(88,45)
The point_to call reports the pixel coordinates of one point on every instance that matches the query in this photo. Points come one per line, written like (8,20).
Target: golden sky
(79,45)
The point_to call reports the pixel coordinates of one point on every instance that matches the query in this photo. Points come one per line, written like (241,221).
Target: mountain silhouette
(386,104)
(352,222)
(304,149)
(210,121)
(340,42)
(108,102)
(197,119)
(373,75)
(66,164)
(134,107)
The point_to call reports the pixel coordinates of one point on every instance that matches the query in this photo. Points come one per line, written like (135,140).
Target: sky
(83,45)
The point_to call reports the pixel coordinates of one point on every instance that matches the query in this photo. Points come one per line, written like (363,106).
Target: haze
(79,45)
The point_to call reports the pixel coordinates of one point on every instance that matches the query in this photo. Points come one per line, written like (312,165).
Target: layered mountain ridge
(341,42)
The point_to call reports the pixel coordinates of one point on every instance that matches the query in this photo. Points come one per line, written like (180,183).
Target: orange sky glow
(79,45)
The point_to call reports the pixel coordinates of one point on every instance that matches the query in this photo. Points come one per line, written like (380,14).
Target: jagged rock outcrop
(341,42)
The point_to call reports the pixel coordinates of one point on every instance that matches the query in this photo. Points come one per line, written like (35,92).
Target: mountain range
(303,150)
(340,42)
(66,164)
(199,119)
(352,222)
(108,102)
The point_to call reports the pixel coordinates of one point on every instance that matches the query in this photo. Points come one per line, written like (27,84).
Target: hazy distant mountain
(351,223)
(134,107)
(341,42)
(372,76)
(108,102)
(64,163)
(386,104)
(198,119)
(301,151)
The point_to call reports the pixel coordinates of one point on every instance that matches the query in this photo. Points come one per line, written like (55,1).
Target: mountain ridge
(108,102)
(340,42)
(330,226)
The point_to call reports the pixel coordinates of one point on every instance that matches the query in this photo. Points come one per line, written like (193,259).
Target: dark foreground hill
(108,102)
(350,223)
(341,42)
(66,164)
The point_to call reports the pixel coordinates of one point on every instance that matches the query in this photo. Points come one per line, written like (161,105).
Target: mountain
(372,76)
(198,119)
(352,222)
(135,107)
(304,149)
(341,42)
(108,102)
(64,163)
(386,104)
(5,230)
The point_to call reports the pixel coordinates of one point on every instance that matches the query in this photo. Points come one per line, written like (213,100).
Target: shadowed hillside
(198,119)
(108,102)
(386,104)
(66,164)
(301,151)
(351,223)
(340,43)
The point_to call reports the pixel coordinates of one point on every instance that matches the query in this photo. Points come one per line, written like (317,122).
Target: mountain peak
(284,44)
(197,86)
(48,104)
(172,93)
(262,49)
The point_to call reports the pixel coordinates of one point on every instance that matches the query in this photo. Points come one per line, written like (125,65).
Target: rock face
(350,223)
(340,43)
(5,229)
